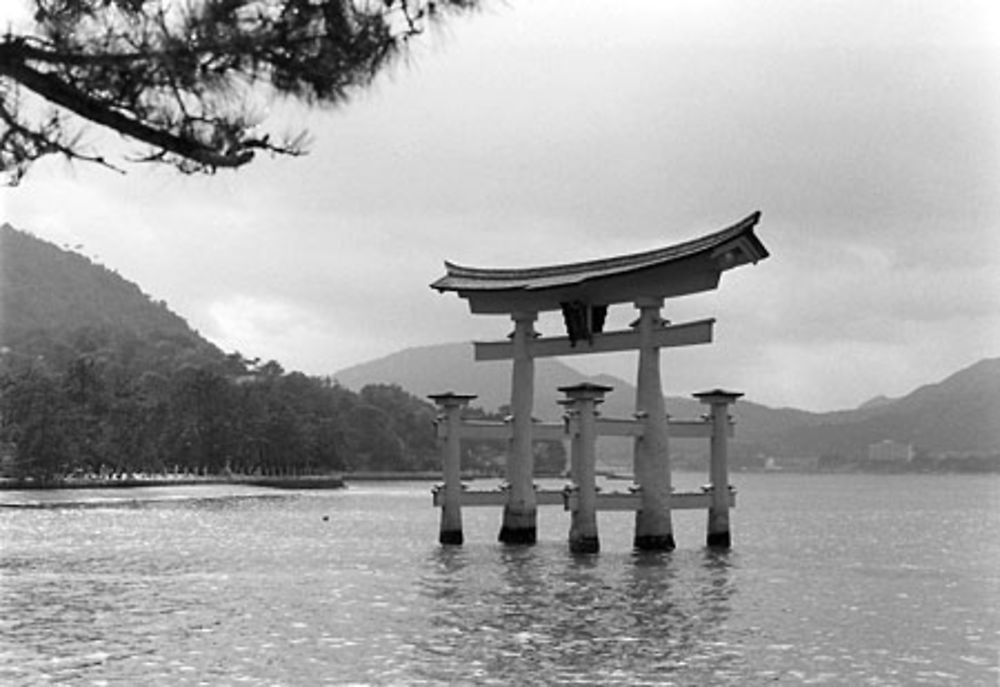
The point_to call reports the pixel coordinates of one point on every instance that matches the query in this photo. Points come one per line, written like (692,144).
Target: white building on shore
(888,450)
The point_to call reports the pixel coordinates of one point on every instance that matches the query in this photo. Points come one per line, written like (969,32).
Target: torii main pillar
(519,513)
(653,527)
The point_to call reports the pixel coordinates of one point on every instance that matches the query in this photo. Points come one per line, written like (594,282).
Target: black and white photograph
(499,342)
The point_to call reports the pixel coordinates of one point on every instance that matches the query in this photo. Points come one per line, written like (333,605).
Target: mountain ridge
(49,293)
(955,414)
(52,298)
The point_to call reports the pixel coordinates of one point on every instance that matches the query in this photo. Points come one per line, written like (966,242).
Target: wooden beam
(484,430)
(615,501)
(614,427)
(487,430)
(632,501)
(606,427)
(680,429)
(694,429)
(498,497)
(686,334)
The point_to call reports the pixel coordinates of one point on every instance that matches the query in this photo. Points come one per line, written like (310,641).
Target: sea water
(832,579)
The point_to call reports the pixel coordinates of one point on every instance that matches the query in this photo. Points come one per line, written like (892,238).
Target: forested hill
(97,378)
(51,300)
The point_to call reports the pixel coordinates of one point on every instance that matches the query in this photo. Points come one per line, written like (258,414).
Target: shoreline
(338,481)
(343,480)
(275,482)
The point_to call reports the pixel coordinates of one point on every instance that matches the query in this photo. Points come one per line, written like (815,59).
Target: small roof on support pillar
(677,270)
(718,396)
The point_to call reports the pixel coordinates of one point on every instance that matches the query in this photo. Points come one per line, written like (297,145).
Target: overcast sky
(868,134)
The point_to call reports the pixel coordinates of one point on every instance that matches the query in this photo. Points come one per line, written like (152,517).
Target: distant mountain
(451,367)
(50,298)
(876,402)
(958,414)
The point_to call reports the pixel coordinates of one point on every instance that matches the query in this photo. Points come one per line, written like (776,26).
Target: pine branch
(82,104)
(166,76)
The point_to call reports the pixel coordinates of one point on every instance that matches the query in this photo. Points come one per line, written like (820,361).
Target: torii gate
(583,292)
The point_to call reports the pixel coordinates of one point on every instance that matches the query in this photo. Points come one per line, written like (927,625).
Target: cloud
(526,135)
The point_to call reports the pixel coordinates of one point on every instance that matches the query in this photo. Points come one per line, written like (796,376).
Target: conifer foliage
(187,78)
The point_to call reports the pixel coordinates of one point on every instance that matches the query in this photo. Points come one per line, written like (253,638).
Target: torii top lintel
(677,270)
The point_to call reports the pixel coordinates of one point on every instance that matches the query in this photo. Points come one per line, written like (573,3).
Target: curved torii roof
(677,270)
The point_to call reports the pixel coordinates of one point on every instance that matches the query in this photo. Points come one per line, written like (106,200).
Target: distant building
(888,450)
(792,463)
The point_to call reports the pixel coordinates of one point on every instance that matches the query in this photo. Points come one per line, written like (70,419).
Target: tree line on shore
(102,402)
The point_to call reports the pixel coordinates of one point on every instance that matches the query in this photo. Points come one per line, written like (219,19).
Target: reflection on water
(830,582)
(544,616)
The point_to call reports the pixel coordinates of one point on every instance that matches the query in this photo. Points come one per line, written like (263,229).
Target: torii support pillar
(520,512)
(449,423)
(718,513)
(653,526)
(582,401)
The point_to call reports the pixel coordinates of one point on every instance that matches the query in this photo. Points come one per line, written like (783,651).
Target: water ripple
(350,588)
